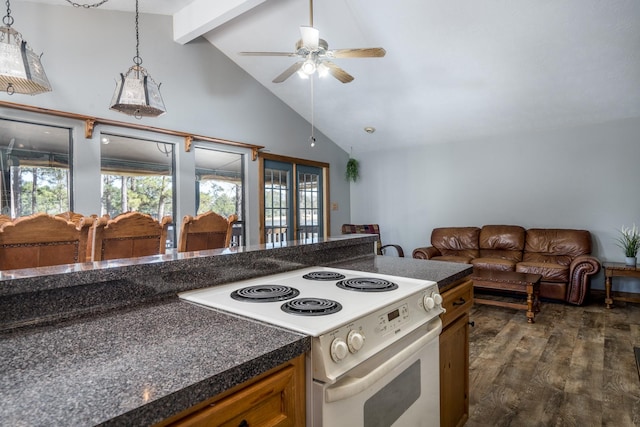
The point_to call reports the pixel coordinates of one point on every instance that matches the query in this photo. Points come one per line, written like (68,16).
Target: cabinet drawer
(457,301)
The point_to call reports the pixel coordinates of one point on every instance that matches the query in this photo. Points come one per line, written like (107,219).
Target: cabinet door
(278,400)
(454,373)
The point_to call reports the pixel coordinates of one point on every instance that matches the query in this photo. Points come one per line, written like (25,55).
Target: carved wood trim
(92,122)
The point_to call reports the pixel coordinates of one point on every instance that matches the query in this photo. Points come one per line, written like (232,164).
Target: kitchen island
(137,364)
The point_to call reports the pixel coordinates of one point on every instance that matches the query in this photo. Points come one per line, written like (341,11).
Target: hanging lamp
(137,94)
(20,67)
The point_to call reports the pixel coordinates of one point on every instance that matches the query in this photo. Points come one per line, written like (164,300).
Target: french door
(293,201)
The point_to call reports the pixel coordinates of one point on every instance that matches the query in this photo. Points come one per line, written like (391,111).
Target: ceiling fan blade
(367,52)
(338,72)
(310,37)
(267,54)
(288,72)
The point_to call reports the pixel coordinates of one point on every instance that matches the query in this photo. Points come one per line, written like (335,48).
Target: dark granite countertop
(445,274)
(133,367)
(139,362)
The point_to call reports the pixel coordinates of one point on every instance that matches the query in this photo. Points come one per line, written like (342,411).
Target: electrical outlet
(334,206)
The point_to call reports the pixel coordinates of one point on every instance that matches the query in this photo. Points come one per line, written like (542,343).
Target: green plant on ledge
(352,173)
(629,240)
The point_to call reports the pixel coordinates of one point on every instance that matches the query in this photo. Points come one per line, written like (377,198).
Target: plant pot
(630,260)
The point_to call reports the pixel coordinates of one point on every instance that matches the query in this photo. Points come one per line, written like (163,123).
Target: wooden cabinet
(454,355)
(275,399)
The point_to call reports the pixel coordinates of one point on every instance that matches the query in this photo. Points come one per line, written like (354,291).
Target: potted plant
(352,173)
(629,241)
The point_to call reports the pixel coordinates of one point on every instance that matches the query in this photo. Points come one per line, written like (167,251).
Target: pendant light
(20,68)
(137,94)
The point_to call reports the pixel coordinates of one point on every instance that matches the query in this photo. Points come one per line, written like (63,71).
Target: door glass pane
(277,202)
(137,175)
(35,171)
(219,187)
(309,203)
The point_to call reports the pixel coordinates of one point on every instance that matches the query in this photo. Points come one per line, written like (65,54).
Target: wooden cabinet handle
(461,301)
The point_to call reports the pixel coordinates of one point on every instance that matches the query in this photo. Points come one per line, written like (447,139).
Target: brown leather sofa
(561,256)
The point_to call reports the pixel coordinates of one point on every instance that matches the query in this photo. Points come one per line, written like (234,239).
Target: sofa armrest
(580,272)
(398,249)
(426,252)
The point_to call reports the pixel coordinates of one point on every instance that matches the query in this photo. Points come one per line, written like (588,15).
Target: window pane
(35,172)
(276,210)
(309,203)
(137,175)
(219,187)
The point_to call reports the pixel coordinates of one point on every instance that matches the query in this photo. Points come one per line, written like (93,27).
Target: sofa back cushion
(502,241)
(558,246)
(456,241)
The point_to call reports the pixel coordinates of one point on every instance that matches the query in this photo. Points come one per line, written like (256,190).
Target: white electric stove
(355,319)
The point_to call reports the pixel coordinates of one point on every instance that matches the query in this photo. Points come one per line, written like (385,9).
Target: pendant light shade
(137,94)
(20,68)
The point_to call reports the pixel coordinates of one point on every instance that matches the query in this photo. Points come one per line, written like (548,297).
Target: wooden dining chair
(42,240)
(205,231)
(371,229)
(129,235)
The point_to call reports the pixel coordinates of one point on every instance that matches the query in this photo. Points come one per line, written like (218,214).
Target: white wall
(586,178)
(205,93)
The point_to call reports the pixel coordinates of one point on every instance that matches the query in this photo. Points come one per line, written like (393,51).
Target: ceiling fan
(315,55)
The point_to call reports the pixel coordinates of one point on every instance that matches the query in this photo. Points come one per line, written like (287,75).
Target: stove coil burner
(367,284)
(323,275)
(311,306)
(265,293)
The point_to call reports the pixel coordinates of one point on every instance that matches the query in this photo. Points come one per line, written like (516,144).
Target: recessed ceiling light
(369,129)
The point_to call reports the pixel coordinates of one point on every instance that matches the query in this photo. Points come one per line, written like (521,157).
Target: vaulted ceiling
(454,70)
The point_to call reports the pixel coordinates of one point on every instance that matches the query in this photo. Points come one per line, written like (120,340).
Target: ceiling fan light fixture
(309,67)
(323,70)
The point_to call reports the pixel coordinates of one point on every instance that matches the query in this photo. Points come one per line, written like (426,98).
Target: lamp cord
(8,19)
(87,6)
(136,59)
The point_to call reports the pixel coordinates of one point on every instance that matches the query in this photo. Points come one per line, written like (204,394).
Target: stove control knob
(437,298)
(355,340)
(339,349)
(429,303)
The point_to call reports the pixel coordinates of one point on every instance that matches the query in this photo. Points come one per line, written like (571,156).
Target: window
(293,200)
(277,202)
(309,185)
(34,161)
(137,175)
(219,186)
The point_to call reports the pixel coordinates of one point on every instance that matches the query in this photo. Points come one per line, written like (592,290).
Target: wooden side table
(618,269)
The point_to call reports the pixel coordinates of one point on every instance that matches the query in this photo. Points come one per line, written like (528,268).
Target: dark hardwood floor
(574,367)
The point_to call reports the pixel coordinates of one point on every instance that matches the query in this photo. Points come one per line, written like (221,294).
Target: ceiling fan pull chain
(87,6)
(312,138)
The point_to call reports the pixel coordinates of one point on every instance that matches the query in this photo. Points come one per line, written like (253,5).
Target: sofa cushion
(557,246)
(453,258)
(549,271)
(456,241)
(502,241)
(500,264)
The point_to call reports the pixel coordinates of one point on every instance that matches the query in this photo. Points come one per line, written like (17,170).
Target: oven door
(399,386)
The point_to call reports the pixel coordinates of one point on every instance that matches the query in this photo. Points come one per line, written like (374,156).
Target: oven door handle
(350,386)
